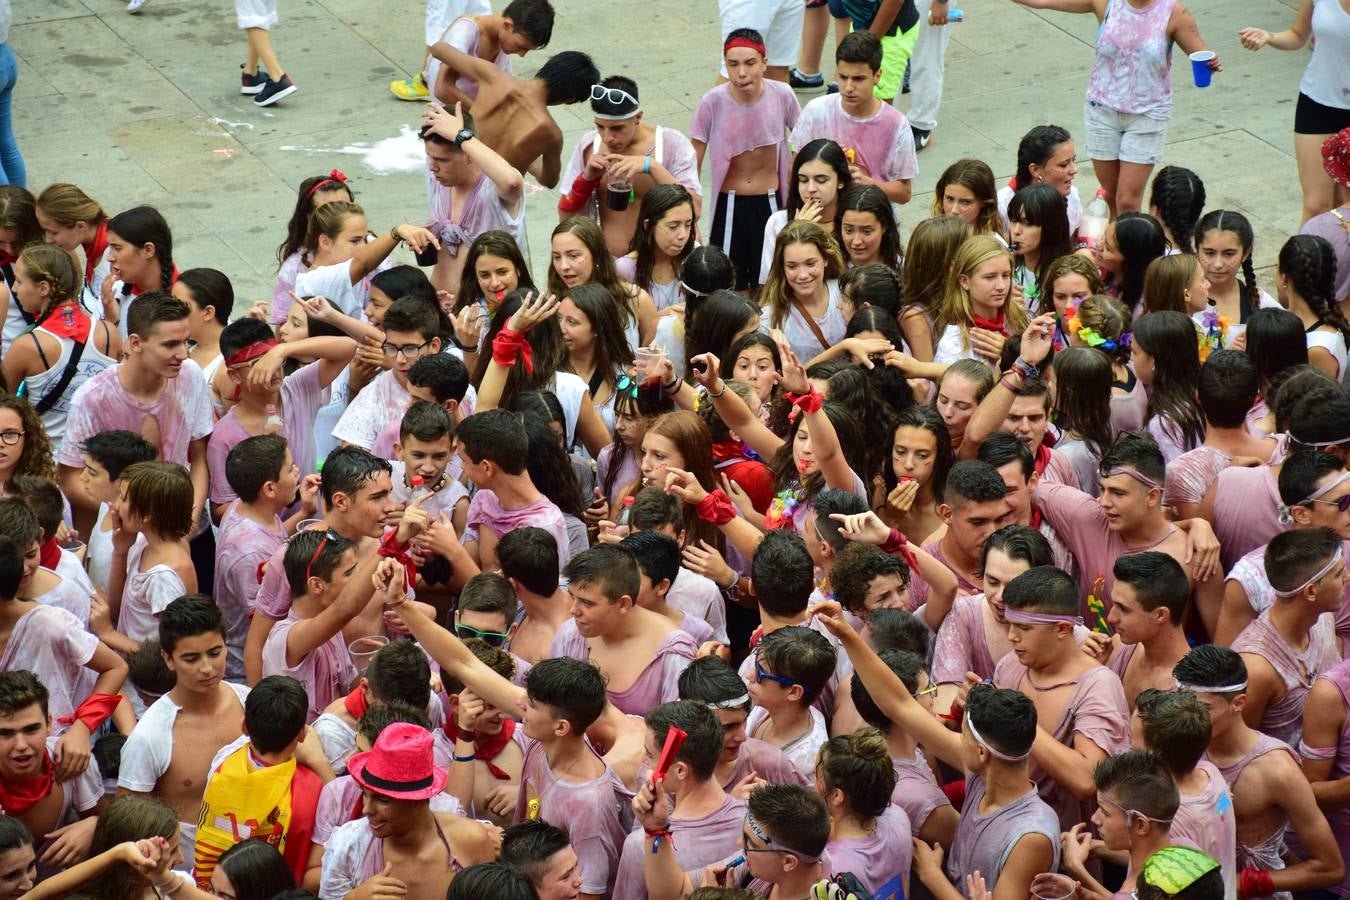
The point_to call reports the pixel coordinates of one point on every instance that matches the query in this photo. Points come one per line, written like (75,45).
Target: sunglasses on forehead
(329,537)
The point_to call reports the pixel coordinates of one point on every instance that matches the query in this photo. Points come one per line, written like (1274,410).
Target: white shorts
(440,13)
(1126,137)
(779,22)
(256,13)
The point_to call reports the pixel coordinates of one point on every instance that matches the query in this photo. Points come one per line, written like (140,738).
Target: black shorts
(749,214)
(1311,117)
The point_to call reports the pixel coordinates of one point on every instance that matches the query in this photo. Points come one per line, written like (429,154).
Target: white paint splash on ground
(384,157)
(226,123)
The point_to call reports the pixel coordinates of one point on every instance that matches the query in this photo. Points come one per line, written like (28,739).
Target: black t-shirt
(863,11)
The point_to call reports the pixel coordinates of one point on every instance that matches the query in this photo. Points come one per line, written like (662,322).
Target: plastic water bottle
(956,15)
(419,489)
(272,423)
(1092,227)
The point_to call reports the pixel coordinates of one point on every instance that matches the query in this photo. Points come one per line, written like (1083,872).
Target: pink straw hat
(401,765)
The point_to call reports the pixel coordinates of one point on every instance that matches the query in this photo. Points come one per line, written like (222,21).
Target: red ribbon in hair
(508,346)
(742,41)
(93,712)
(1000,324)
(249,353)
(334,177)
(486,747)
(18,798)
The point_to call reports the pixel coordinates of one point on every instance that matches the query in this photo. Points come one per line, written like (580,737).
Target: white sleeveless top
(36,387)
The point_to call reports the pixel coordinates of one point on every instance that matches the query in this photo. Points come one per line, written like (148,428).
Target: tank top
(1269,852)
(1132,72)
(36,387)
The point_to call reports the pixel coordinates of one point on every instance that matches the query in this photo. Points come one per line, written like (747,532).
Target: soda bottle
(1092,227)
(272,423)
(419,489)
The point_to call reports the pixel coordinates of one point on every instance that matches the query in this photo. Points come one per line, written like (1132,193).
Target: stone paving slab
(144,109)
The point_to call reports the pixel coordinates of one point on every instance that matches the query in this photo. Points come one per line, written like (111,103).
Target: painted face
(989,286)
(571,260)
(1059,169)
(804,268)
(861,232)
(659,453)
(577,332)
(1221,255)
(755,366)
(629,427)
(496,276)
(745,67)
(999,569)
(198,662)
(913,454)
(817,180)
(672,231)
(1069,290)
(960,202)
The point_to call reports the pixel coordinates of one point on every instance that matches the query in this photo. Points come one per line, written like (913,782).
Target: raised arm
(504,176)
(454,658)
(732,408)
(829,456)
(465,64)
(993,409)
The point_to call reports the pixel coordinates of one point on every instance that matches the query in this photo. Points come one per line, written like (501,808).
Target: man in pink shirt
(156,392)
(264,476)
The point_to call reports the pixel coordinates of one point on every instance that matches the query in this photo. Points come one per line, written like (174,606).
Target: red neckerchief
(729,450)
(136,290)
(755,636)
(18,799)
(487,748)
(356,703)
(68,321)
(6,259)
(50,556)
(93,252)
(999,324)
(1042,462)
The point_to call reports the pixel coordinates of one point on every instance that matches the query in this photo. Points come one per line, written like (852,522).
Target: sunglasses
(1342,504)
(931,689)
(613,95)
(626,384)
(329,535)
(491,638)
(761,675)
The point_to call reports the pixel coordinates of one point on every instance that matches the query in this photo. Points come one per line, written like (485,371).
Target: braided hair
(1310,265)
(1236,222)
(143,225)
(1036,148)
(1179,197)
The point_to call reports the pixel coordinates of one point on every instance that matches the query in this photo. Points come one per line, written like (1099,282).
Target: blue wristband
(646,165)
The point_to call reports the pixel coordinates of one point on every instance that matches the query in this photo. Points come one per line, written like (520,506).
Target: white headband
(1220,689)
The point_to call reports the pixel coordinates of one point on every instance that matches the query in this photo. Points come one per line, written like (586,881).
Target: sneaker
(252,84)
(904,88)
(921,138)
(275,90)
(134,6)
(799,82)
(414,88)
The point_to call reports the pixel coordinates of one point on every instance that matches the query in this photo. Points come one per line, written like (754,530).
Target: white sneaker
(134,6)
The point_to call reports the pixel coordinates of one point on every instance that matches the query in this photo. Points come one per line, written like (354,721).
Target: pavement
(145,108)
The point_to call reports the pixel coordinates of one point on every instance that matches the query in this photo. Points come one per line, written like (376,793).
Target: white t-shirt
(335,283)
(1005,195)
(799,334)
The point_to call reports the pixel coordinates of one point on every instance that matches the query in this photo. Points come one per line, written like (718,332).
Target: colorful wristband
(716,508)
(1255,883)
(508,346)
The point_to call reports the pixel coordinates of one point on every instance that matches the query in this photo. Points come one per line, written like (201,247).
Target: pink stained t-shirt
(1246,511)
(656,684)
(242,546)
(916,792)
(596,814)
(379,402)
(961,645)
(326,672)
(766,761)
(1095,709)
(1129,411)
(1206,822)
(804,749)
(984,840)
(700,597)
(342,795)
(180,415)
(146,594)
(463,35)
(883,144)
(881,860)
(486,511)
(1283,718)
(301,397)
(670,149)
(698,842)
(1339,820)
(1268,853)
(729,128)
(56,647)
(919,588)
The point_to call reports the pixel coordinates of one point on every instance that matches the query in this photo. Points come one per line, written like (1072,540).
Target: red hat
(401,765)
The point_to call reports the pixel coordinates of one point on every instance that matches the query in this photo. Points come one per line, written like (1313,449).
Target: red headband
(251,352)
(334,177)
(744,42)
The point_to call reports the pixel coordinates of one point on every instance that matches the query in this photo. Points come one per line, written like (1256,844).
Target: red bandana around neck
(68,321)
(356,703)
(93,254)
(50,556)
(18,799)
(999,324)
(487,748)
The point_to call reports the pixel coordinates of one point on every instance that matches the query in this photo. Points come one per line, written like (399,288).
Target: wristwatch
(464,135)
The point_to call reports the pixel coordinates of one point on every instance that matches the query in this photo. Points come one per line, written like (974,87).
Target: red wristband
(716,508)
(898,543)
(809,402)
(508,346)
(390,549)
(94,711)
(580,192)
(1255,883)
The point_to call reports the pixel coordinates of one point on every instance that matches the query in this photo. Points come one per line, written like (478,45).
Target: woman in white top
(1045,155)
(1224,243)
(1306,275)
(819,173)
(210,298)
(580,256)
(72,220)
(801,296)
(65,347)
(292,259)
(597,350)
(661,243)
(976,318)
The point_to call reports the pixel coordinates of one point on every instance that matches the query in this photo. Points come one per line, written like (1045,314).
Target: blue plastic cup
(1200,67)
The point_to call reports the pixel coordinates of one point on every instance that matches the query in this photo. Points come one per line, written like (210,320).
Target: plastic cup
(1049,886)
(618,196)
(1200,67)
(363,650)
(648,362)
(427,255)
(76,547)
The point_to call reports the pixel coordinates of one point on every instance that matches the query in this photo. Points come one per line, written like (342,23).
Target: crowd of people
(798,560)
